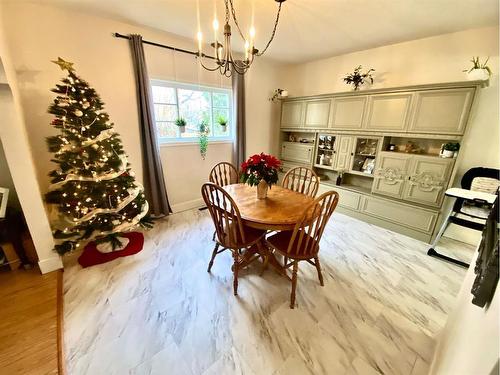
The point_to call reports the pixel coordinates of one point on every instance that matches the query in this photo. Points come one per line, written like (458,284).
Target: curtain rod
(196,54)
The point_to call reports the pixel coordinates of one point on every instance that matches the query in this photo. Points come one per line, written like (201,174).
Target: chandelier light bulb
(252,32)
(215,24)
(199,36)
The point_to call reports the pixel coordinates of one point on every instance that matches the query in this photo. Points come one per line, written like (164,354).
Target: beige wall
(431,60)
(45,32)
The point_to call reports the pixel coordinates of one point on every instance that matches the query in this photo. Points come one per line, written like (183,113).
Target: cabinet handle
(352,153)
(334,151)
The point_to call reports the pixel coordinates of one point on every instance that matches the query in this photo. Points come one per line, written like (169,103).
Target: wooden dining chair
(302,180)
(303,242)
(223,174)
(229,228)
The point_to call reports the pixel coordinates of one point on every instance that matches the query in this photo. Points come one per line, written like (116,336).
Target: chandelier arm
(206,67)
(273,33)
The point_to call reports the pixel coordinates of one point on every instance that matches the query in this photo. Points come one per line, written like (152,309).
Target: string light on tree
(91,167)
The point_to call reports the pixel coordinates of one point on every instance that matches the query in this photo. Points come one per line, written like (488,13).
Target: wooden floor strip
(60,323)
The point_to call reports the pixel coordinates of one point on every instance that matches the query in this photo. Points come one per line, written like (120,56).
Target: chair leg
(318,268)
(214,253)
(294,283)
(235,272)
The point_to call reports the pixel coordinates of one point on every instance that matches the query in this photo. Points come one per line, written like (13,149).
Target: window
(197,105)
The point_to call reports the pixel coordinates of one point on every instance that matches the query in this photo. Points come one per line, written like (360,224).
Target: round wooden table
(279,211)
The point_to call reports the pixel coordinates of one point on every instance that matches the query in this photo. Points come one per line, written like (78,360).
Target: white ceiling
(308,29)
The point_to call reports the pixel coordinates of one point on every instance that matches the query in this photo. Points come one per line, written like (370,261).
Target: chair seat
(481,212)
(281,240)
(252,235)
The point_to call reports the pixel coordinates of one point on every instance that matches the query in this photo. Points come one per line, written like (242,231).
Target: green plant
(222,120)
(357,78)
(476,64)
(203,138)
(451,146)
(180,121)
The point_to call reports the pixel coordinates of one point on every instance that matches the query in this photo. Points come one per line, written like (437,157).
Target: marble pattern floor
(160,312)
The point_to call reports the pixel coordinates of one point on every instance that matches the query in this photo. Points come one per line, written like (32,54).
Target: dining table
(279,211)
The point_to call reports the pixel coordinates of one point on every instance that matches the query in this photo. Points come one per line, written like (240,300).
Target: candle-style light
(225,62)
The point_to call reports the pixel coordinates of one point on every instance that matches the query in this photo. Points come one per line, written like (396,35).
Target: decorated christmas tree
(96,194)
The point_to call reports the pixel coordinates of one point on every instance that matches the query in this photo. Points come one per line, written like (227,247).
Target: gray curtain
(154,183)
(238,84)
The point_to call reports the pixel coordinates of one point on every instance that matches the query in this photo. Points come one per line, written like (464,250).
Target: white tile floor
(160,312)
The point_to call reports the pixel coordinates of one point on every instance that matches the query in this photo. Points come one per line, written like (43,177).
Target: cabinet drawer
(441,111)
(347,113)
(296,152)
(317,113)
(388,112)
(411,217)
(292,114)
(347,199)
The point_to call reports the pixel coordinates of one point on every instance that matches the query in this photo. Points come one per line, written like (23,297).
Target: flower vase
(262,188)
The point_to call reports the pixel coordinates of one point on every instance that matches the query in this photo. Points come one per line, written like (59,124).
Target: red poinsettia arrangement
(260,167)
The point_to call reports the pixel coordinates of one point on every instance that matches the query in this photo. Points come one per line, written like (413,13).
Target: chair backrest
(473,173)
(224,213)
(309,229)
(302,180)
(223,174)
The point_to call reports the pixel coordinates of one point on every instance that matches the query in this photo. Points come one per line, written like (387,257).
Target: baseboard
(60,324)
(50,264)
(184,206)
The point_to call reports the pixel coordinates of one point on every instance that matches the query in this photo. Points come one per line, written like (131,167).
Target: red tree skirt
(91,256)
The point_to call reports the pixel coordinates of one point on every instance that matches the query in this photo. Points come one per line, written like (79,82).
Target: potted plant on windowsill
(479,71)
(181,123)
(222,122)
(260,170)
(448,150)
(203,138)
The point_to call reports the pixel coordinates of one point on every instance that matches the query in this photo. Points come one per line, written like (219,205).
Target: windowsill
(193,143)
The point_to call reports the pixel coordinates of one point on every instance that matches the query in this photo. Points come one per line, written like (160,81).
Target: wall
(45,32)
(431,60)
(18,155)
(469,342)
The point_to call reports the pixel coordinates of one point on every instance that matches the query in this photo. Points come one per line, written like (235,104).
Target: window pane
(220,99)
(194,106)
(166,129)
(218,129)
(163,94)
(164,112)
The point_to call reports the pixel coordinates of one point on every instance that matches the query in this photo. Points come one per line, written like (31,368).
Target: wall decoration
(479,71)
(357,78)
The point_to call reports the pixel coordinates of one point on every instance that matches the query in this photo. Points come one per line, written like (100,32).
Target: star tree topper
(63,64)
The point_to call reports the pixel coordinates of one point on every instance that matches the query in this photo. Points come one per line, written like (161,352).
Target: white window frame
(195,87)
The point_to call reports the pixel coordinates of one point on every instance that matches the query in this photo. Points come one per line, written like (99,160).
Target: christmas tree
(96,194)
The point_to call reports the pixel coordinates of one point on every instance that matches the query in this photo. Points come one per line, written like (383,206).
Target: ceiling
(308,29)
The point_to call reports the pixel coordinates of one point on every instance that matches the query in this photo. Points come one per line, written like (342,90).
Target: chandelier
(225,63)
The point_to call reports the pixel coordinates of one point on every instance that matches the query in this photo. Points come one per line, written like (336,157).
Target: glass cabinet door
(365,152)
(325,151)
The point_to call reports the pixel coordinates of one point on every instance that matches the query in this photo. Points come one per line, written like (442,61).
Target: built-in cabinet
(415,178)
(379,149)
(416,110)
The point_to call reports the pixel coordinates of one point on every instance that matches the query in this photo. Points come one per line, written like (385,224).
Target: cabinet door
(390,174)
(388,112)
(428,178)
(296,152)
(317,113)
(343,150)
(347,112)
(292,114)
(441,111)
